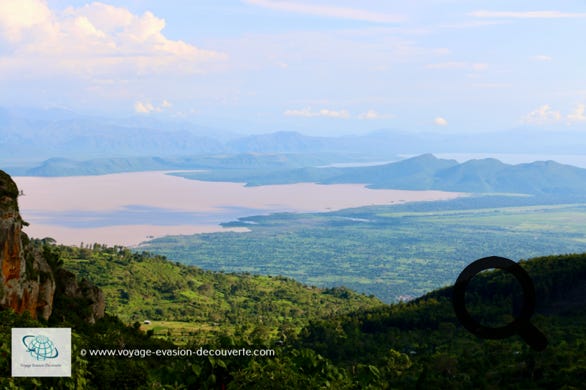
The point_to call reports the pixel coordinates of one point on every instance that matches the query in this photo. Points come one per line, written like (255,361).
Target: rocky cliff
(85,299)
(28,283)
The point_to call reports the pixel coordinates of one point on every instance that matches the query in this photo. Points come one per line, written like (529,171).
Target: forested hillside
(418,344)
(186,300)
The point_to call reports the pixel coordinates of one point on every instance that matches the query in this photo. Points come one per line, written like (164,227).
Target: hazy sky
(316,66)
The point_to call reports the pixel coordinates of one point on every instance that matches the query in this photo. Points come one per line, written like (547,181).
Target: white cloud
(328,11)
(147,107)
(334,114)
(491,85)
(372,114)
(545,115)
(84,24)
(95,40)
(477,67)
(447,65)
(542,115)
(578,115)
(308,113)
(527,14)
(143,108)
(441,51)
(542,58)
(439,121)
(16,17)
(472,24)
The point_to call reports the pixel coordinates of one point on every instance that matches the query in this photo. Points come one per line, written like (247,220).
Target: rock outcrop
(28,283)
(85,299)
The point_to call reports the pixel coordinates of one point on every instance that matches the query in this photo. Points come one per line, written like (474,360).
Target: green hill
(426,172)
(420,344)
(184,300)
(343,340)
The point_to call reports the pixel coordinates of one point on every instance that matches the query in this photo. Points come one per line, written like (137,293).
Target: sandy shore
(125,235)
(89,208)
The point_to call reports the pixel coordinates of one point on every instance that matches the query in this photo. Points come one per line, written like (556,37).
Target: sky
(314,66)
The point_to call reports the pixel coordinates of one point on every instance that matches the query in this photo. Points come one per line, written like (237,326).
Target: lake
(129,208)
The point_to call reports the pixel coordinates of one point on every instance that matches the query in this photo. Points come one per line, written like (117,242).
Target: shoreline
(130,208)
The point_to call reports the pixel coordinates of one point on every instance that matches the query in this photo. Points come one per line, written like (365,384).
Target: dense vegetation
(431,350)
(393,252)
(409,345)
(186,300)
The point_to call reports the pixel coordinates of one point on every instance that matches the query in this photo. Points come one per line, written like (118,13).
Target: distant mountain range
(31,136)
(34,140)
(240,162)
(62,143)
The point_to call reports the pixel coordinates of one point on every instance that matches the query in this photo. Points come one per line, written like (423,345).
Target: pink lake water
(129,208)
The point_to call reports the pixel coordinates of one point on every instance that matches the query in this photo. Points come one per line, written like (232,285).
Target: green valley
(191,303)
(392,252)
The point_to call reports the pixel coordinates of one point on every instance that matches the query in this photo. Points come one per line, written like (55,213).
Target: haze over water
(129,208)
